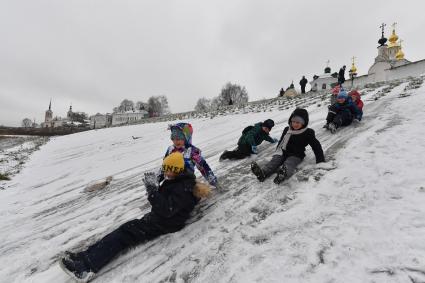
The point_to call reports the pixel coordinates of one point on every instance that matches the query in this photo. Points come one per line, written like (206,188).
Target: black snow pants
(343,118)
(128,235)
(241,152)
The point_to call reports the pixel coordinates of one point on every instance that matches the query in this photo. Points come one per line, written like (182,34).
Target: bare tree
(233,94)
(79,117)
(27,123)
(215,103)
(125,105)
(164,102)
(158,106)
(203,104)
(140,105)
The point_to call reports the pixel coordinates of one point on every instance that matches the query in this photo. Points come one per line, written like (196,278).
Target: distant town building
(121,118)
(129,117)
(100,121)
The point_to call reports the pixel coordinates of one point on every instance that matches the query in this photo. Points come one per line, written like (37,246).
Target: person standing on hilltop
(303,83)
(341,75)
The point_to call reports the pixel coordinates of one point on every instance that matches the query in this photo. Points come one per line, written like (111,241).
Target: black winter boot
(258,172)
(281,175)
(75,266)
(223,156)
(332,128)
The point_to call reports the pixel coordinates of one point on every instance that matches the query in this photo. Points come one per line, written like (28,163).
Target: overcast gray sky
(94,54)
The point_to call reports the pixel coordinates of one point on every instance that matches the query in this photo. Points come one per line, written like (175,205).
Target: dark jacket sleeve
(203,166)
(167,205)
(281,137)
(268,138)
(317,147)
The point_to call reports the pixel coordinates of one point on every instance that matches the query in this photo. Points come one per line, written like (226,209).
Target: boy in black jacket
(293,142)
(172,203)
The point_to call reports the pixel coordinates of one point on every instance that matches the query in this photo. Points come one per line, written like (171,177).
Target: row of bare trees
(156,106)
(230,94)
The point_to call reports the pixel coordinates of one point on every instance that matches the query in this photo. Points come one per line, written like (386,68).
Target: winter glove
(218,186)
(254,149)
(150,181)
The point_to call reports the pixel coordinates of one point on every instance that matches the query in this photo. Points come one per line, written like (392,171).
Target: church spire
(50,104)
(382,40)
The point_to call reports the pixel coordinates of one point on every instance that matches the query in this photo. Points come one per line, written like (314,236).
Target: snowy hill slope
(359,217)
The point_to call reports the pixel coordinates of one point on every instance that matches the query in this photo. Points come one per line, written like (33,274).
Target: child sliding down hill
(251,137)
(357,100)
(181,136)
(172,202)
(342,112)
(292,144)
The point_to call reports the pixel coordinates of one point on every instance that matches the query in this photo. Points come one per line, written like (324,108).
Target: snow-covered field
(359,217)
(14,151)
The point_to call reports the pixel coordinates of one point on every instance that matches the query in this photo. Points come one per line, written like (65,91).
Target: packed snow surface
(359,217)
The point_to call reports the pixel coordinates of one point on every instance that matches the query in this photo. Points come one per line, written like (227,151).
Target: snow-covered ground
(14,151)
(359,217)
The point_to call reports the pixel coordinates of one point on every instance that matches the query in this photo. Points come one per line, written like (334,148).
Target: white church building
(389,64)
(55,122)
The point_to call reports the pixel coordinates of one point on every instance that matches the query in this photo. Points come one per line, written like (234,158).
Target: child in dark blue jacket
(342,112)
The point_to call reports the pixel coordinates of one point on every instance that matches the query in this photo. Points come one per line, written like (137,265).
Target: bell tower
(49,113)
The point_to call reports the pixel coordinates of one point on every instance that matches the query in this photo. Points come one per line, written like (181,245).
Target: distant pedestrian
(341,75)
(303,83)
(281,92)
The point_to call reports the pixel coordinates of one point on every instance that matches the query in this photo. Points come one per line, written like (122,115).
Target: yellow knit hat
(173,163)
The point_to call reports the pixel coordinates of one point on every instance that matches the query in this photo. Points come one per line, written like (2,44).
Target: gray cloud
(93,54)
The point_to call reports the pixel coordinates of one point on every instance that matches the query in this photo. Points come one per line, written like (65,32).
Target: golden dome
(399,55)
(393,39)
(353,69)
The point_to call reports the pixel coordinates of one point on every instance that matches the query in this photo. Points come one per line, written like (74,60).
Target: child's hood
(355,93)
(186,129)
(299,112)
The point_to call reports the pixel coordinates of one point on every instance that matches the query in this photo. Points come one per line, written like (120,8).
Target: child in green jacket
(251,137)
